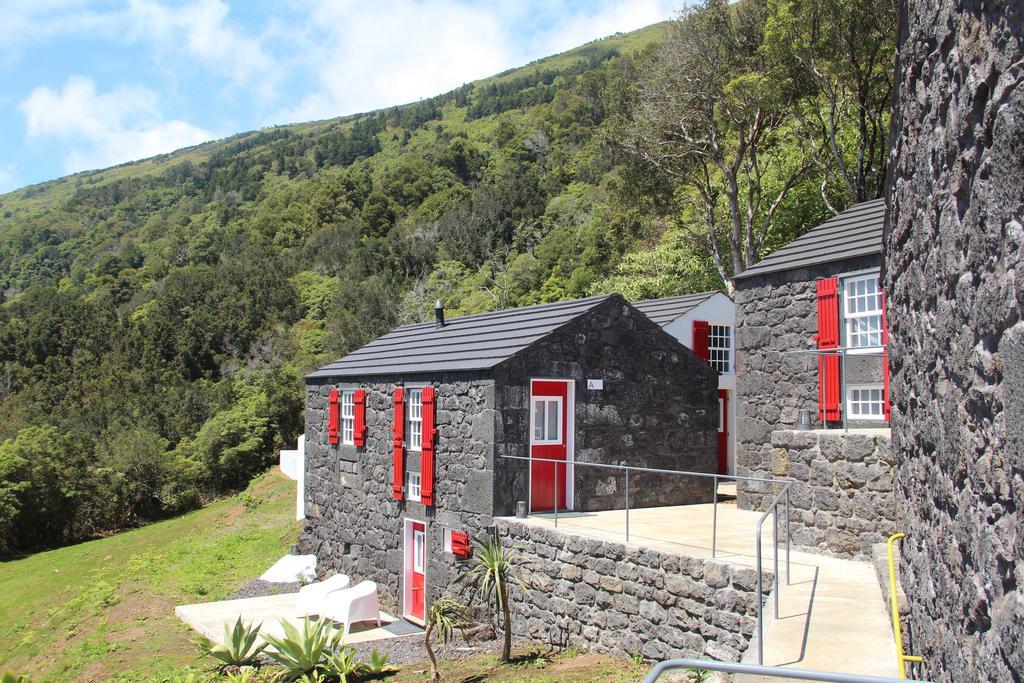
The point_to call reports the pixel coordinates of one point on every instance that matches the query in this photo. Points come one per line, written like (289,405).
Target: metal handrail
(759,670)
(894,608)
(772,508)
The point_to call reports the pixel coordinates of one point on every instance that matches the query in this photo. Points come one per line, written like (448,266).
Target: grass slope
(104,609)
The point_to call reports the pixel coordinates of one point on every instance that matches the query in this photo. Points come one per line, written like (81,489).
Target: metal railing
(781,498)
(894,608)
(759,670)
(842,352)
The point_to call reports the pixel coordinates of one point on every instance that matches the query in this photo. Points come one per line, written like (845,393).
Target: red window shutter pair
(829,391)
(359,418)
(700,339)
(460,544)
(398,432)
(332,417)
(886,408)
(427,453)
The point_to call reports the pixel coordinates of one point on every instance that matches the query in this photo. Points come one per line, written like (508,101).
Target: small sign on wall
(595,384)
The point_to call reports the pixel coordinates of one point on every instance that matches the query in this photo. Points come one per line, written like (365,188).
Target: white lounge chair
(311,597)
(349,605)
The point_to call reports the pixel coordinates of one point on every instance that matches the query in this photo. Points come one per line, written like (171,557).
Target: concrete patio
(209,618)
(832,614)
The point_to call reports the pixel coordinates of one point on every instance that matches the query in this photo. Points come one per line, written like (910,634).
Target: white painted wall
(719,309)
(293,466)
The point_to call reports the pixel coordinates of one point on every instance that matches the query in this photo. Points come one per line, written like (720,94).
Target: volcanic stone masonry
(953,252)
(626,600)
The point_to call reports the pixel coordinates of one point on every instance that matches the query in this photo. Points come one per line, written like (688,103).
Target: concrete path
(832,615)
(209,618)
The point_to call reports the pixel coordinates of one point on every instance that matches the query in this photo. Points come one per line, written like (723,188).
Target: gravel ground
(258,588)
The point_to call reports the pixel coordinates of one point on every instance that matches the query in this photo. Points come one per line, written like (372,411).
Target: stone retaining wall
(842,500)
(624,600)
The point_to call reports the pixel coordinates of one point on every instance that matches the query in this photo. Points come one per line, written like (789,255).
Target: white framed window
(721,416)
(547,419)
(862,310)
(412,486)
(348,417)
(720,347)
(414,419)
(865,401)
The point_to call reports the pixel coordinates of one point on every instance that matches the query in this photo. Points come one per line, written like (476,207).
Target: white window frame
(547,401)
(851,404)
(412,486)
(347,402)
(414,419)
(723,363)
(721,415)
(853,317)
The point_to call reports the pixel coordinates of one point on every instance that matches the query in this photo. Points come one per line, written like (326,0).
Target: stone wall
(626,600)
(842,501)
(354,525)
(658,408)
(954,248)
(776,314)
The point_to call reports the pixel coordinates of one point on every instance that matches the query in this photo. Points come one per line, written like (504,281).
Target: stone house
(705,323)
(405,437)
(811,335)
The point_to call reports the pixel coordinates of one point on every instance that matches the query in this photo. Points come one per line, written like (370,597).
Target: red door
(415,572)
(549,423)
(723,431)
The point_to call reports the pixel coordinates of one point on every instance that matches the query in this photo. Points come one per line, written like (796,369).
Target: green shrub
(239,647)
(303,653)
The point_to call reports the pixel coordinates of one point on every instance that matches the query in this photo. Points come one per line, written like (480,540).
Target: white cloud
(369,55)
(103,129)
(8,181)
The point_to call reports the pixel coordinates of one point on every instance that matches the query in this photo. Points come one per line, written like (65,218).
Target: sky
(89,84)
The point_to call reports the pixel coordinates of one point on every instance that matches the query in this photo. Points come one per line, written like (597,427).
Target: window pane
(538,420)
(553,418)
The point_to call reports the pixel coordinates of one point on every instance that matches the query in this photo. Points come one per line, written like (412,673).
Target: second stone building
(415,442)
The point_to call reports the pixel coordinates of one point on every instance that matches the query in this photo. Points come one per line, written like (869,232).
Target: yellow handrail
(901,658)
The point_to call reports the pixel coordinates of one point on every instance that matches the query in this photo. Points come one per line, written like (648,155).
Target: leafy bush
(239,647)
(303,653)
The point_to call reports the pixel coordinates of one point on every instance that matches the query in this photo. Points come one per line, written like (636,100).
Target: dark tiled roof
(471,342)
(853,233)
(665,310)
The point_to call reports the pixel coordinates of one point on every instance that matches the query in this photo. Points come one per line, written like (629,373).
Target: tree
(712,113)
(845,49)
(443,617)
(488,573)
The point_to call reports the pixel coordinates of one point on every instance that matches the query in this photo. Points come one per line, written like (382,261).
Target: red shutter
(460,544)
(398,467)
(359,417)
(427,451)
(828,338)
(332,417)
(700,339)
(885,363)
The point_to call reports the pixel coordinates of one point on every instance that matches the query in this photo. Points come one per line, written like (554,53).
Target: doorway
(551,431)
(415,574)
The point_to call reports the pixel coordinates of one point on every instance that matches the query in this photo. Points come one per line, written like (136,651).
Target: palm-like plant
(443,617)
(488,573)
(300,653)
(239,647)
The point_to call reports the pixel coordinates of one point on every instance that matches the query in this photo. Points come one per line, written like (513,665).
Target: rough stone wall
(626,600)
(953,252)
(775,314)
(842,501)
(658,408)
(354,525)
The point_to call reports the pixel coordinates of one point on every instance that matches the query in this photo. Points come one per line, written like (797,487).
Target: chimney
(438,314)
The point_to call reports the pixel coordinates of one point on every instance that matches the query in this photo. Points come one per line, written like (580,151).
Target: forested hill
(158,316)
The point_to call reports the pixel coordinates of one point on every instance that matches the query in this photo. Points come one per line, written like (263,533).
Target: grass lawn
(533,665)
(104,609)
